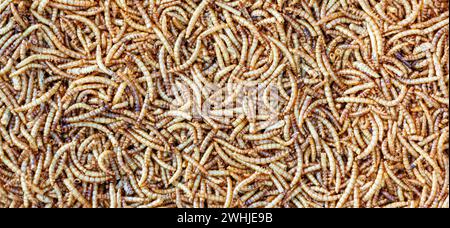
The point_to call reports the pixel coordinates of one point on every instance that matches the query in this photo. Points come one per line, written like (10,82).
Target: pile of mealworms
(245,103)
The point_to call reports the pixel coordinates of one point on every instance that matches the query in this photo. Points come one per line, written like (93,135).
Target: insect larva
(244,182)
(60,46)
(88,179)
(212,30)
(318,196)
(254,167)
(373,141)
(394,102)
(355,100)
(147,142)
(86,115)
(44,98)
(366,69)
(242,21)
(376,184)
(92,79)
(56,157)
(195,16)
(281,174)
(275,201)
(75,192)
(191,60)
(394,178)
(80,3)
(228,8)
(260,160)
(8,162)
(194,163)
(424,155)
(102,161)
(358,88)
(350,185)
(8,27)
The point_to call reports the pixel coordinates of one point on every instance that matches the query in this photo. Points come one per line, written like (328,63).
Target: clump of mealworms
(175,103)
